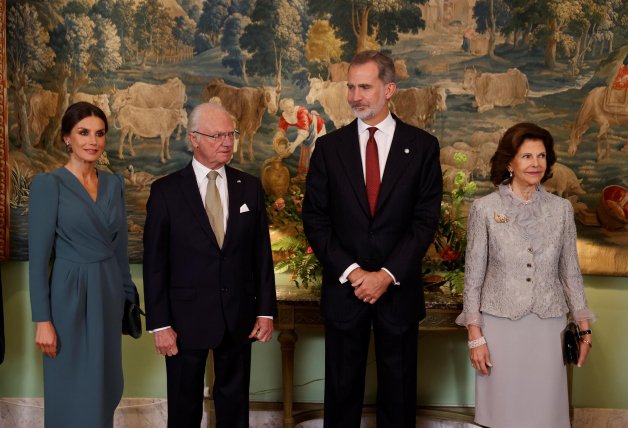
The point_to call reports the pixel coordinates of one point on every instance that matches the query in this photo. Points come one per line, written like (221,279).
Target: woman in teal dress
(77,220)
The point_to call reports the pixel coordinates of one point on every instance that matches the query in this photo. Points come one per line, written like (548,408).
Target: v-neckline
(98,189)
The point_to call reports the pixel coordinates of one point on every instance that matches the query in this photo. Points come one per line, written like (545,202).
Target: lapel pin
(406,151)
(238,181)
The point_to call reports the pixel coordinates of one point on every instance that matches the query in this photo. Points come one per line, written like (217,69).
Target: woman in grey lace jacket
(521,279)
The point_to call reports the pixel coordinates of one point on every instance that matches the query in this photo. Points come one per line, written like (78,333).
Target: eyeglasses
(220,136)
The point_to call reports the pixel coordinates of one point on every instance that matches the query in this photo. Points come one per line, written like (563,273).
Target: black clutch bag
(571,343)
(131,320)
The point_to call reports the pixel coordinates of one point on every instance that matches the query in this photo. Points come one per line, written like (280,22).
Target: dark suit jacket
(189,282)
(339,226)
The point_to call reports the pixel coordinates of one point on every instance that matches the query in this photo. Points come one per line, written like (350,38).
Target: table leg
(287,339)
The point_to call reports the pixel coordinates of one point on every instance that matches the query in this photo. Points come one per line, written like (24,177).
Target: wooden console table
(299,308)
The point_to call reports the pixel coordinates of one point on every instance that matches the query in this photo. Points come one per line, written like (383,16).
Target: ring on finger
(366,300)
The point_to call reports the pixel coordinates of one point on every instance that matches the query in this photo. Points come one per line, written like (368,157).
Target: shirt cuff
(343,278)
(158,329)
(394,280)
(265,316)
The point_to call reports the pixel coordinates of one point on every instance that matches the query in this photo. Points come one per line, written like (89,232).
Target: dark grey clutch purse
(131,320)
(571,343)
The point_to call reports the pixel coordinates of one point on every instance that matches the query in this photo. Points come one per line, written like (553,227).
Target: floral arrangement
(284,214)
(450,241)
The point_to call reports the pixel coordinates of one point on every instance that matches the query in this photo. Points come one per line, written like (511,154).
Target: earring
(68,147)
(510,172)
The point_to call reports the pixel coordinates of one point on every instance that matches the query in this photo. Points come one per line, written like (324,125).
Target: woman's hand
(480,356)
(46,338)
(481,359)
(586,342)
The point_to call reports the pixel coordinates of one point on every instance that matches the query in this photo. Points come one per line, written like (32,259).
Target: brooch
(500,218)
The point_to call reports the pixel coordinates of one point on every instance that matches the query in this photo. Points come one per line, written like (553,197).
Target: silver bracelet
(477,342)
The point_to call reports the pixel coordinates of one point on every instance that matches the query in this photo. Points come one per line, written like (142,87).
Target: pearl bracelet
(477,342)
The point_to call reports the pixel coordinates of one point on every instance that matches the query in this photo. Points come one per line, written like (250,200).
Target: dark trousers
(346,350)
(186,374)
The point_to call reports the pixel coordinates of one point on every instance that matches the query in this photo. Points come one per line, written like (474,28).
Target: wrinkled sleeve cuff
(470,318)
(344,278)
(583,314)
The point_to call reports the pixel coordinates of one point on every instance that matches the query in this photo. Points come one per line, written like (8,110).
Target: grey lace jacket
(521,258)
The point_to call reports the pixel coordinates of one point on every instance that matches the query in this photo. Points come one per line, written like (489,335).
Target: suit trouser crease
(346,352)
(186,374)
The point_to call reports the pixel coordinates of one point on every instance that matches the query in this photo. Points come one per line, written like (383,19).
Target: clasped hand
(369,286)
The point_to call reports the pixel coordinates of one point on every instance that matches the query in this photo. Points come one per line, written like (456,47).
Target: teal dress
(83,296)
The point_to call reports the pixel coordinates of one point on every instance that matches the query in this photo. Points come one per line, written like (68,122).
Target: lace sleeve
(569,270)
(475,267)
(466,319)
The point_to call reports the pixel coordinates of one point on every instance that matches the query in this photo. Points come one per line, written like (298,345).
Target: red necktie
(372,170)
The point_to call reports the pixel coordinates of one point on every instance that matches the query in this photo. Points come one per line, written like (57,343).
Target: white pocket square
(244,209)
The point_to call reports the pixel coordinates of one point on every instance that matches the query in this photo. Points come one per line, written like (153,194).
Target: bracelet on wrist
(476,342)
(587,342)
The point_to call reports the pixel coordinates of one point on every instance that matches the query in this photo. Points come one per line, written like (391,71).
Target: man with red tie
(371,207)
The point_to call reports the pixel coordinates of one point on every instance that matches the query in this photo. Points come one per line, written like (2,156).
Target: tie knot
(212,175)
(372,130)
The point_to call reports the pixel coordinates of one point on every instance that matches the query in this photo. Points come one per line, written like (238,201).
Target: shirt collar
(201,171)
(387,126)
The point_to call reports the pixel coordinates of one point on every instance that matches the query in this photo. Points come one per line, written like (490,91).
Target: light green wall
(445,375)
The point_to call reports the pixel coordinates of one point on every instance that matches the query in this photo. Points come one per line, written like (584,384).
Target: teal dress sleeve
(42,221)
(121,248)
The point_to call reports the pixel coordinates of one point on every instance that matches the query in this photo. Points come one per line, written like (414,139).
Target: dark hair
(509,145)
(384,63)
(77,112)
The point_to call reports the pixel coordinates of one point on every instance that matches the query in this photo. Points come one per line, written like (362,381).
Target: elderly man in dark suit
(208,274)
(371,207)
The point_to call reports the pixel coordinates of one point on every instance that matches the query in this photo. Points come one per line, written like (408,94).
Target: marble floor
(152,413)
(369,422)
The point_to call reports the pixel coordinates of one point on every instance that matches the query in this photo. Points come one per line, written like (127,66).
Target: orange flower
(309,250)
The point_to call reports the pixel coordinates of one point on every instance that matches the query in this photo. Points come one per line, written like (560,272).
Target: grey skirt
(527,386)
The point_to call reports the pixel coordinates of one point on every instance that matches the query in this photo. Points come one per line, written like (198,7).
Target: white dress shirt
(383,137)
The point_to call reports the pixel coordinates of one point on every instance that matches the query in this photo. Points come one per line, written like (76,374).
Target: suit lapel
(349,154)
(234,187)
(189,188)
(400,154)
